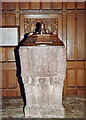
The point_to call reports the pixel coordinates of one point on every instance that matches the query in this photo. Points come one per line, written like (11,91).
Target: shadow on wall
(18,66)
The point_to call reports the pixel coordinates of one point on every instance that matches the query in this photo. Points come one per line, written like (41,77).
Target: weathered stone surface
(43,71)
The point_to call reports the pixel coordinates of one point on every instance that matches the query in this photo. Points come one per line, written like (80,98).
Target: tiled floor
(13,107)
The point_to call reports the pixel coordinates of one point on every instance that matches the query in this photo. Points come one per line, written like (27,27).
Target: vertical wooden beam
(21,27)
(64,28)
(0,14)
(75,40)
(70,36)
(60,35)
(80,35)
(17,13)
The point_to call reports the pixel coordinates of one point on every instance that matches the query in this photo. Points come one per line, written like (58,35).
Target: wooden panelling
(12,79)
(80,80)
(70,5)
(75,64)
(71,78)
(81,92)
(0,5)
(80,36)
(70,36)
(11,66)
(8,66)
(0,79)
(4,93)
(3,20)
(71,91)
(0,92)
(11,93)
(80,5)
(45,5)
(9,20)
(2,54)
(35,5)
(3,78)
(11,56)
(65,87)
(70,30)
(64,28)
(24,5)
(8,5)
(56,5)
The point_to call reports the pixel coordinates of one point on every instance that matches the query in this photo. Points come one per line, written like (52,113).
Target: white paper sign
(8,36)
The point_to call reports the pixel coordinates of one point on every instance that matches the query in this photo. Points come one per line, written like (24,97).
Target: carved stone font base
(43,71)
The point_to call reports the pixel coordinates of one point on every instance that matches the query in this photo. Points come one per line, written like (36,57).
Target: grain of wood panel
(71,91)
(4,93)
(65,87)
(9,20)
(1,93)
(35,5)
(0,78)
(71,78)
(12,79)
(17,14)
(75,64)
(81,92)
(81,36)
(80,5)
(3,66)
(80,76)
(56,5)
(8,66)
(3,78)
(18,89)
(3,20)
(85,64)
(8,5)
(45,5)
(2,54)
(11,56)
(24,5)
(70,36)
(11,92)
(11,66)
(70,5)
(0,5)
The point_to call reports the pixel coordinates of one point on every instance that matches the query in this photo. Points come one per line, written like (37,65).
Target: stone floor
(13,107)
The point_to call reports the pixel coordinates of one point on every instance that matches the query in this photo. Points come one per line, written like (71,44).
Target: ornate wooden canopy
(44,39)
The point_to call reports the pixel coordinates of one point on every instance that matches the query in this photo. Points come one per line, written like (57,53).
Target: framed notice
(9,36)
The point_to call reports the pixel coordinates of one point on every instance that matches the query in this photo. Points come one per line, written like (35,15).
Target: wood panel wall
(72,33)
